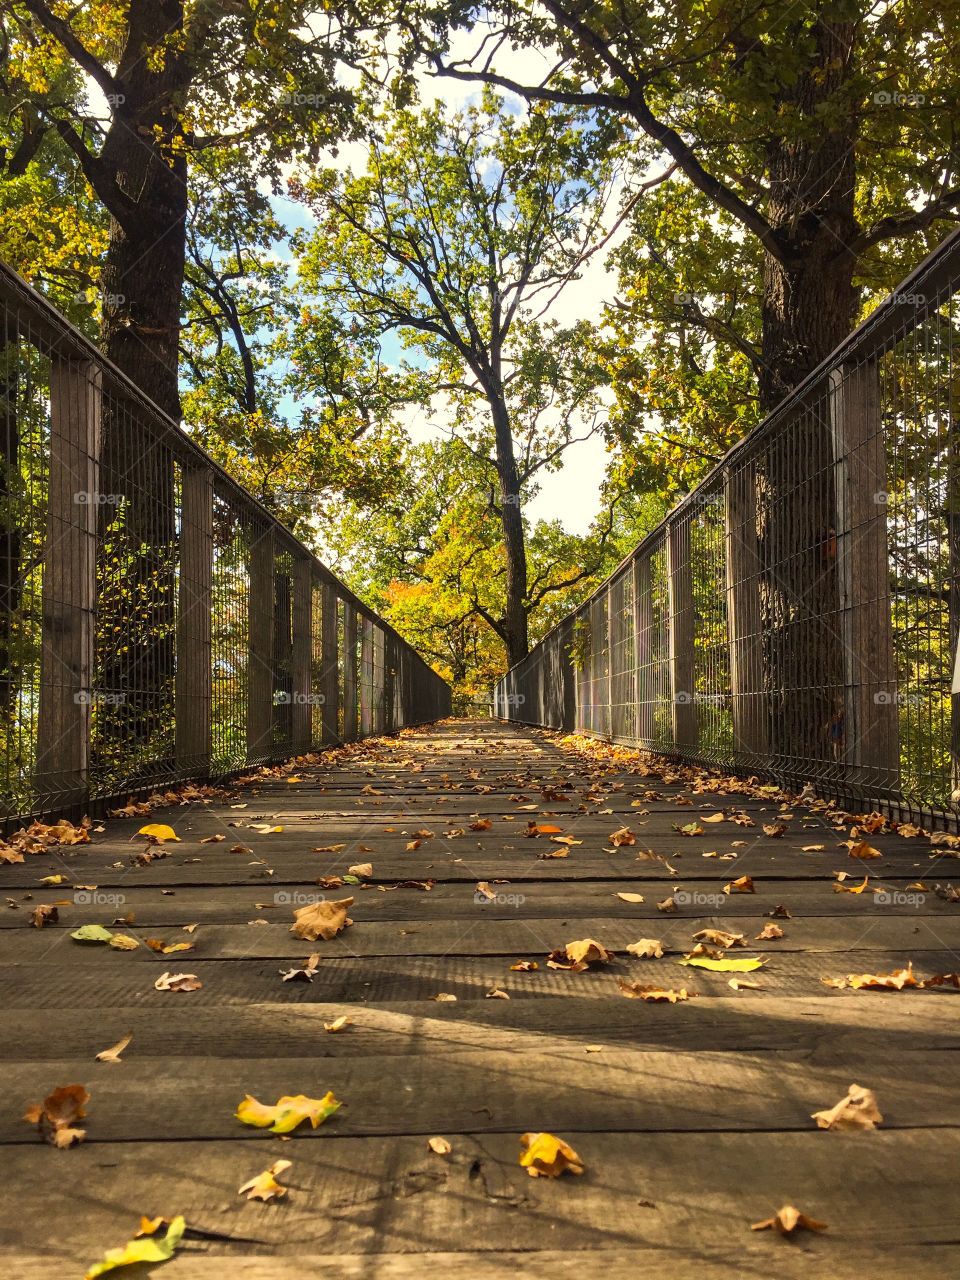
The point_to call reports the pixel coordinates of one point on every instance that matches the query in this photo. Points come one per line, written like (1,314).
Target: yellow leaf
(338,1024)
(288,1112)
(123,942)
(546,1156)
(141,1249)
(787,1220)
(157,832)
(745,965)
(113,1053)
(743,884)
(265,1185)
(440,1146)
(860,849)
(630,897)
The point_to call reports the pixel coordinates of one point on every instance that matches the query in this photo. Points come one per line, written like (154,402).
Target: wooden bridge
(489,848)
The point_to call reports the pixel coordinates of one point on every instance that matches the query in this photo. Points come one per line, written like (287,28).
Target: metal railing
(157,624)
(796,616)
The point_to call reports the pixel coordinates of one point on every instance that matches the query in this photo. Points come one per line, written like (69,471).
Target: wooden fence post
(643,626)
(871,721)
(680,596)
(329,665)
(349,672)
(379,680)
(744,627)
(69,585)
(366,677)
(260,668)
(194,674)
(301,682)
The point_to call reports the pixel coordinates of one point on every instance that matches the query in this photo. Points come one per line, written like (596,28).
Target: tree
(458,238)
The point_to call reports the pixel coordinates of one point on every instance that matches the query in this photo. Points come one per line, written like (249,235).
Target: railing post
(871,728)
(680,596)
(194,675)
(744,627)
(301,672)
(366,677)
(643,626)
(349,672)
(329,665)
(378,679)
(389,683)
(69,585)
(260,672)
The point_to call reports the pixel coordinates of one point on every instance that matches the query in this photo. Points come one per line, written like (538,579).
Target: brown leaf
(668,904)
(321,919)
(769,931)
(364,869)
(178,982)
(720,938)
(858,1110)
(623,837)
(44,915)
(787,1220)
(113,1053)
(579,955)
(640,991)
(524,966)
(860,849)
(743,884)
(57,1115)
(496,993)
(646,948)
(305,973)
(630,897)
(896,980)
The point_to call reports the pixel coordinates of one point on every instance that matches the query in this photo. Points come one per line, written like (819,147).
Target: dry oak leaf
(546,1156)
(113,1053)
(896,980)
(743,884)
(361,869)
(860,849)
(288,1112)
(44,915)
(787,1220)
(768,932)
(858,1110)
(57,1115)
(562,852)
(439,1146)
(178,982)
(630,897)
(321,919)
(265,1185)
(640,991)
(720,938)
(579,955)
(774,829)
(668,904)
(481,824)
(142,1248)
(158,833)
(524,966)
(623,837)
(646,948)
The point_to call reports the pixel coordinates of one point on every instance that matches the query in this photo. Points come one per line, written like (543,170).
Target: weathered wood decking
(693,1120)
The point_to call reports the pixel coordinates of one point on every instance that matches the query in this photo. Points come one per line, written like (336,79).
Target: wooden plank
(194,677)
(69,585)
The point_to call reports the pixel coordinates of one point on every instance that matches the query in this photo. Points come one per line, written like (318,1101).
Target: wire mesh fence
(156,623)
(797,615)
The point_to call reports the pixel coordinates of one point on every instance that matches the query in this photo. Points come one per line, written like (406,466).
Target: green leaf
(91,933)
(141,1249)
(745,965)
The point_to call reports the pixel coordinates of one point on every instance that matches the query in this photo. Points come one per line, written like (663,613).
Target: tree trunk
(142,294)
(516,637)
(808,307)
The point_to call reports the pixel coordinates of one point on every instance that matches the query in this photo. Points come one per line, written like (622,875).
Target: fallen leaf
(338,1024)
(858,1110)
(860,849)
(545,1156)
(495,993)
(774,829)
(579,955)
(646,948)
(780,912)
(623,837)
(720,938)
(44,915)
(630,897)
(305,973)
(485,891)
(524,966)
(668,904)
(744,984)
(443,997)
(264,828)
(141,1249)
(158,833)
(216,839)
(639,991)
(91,933)
(840,887)
(688,829)
(439,1146)
(743,884)
(361,869)
(896,980)
(713,817)
(265,1185)
(787,1220)
(321,919)
(167,948)
(288,1112)
(123,942)
(768,932)
(743,964)
(812,848)
(52,879)
(113,1053)
(329,848)
(57,1115)
(178,982)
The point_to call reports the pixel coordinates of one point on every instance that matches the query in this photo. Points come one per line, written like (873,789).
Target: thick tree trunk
(516,637)
(142,288)
(808,307)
